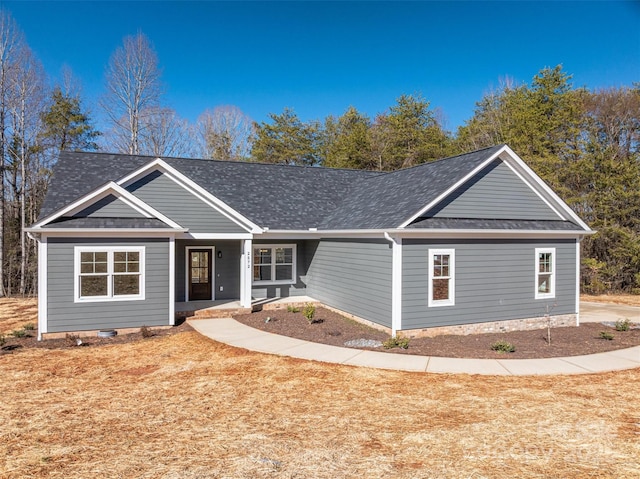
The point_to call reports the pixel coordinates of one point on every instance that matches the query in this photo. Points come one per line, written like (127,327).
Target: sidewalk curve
(233,333)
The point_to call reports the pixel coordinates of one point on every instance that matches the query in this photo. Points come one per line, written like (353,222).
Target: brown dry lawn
(184,406)
(16,312)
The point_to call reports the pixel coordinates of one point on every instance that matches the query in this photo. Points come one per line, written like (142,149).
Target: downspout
(396,283)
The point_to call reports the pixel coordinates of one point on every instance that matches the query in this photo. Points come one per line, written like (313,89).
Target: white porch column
(245,273)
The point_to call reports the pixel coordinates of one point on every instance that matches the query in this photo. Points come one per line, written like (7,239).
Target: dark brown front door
(199,274)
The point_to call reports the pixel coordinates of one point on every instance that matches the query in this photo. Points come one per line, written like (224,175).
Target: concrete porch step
(212,313)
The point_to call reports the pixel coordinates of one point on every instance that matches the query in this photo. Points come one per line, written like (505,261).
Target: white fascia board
(107,232)
(96,195)
(193,188)
(451,189)
(421,233)
(540,187)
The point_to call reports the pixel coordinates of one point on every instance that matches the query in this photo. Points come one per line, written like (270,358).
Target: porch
(226,308)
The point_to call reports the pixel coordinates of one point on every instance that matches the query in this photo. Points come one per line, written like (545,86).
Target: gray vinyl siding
(495,193)
(303,250)
(494,280)
(181,206)
(109,207)
(65,315)
(354,276)
(226,269)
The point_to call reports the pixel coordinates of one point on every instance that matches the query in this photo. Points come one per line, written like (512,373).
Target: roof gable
(495,192)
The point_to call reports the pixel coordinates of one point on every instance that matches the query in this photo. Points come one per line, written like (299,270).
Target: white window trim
(110,250)
(294,257)
(452,278)
(552,294)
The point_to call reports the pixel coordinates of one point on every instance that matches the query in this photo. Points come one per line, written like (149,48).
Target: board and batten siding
(226,269)
(353,276)
(174,201)
(109,207)
(494,280)
(63,314)
(304,249)
(496,192)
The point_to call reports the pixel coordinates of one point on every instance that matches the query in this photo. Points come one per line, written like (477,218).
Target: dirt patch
(332,328)
(627,299)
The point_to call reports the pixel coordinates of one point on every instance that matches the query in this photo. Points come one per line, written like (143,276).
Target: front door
(200,274)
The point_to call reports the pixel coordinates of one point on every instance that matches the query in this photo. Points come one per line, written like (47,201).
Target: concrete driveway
(599,312)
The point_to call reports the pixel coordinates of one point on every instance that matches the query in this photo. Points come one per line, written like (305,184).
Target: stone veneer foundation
(527,324)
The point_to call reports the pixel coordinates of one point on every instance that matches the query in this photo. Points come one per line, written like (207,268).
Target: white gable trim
(526,174)
(542,188)
(451,189)
(96,195)
(193,188)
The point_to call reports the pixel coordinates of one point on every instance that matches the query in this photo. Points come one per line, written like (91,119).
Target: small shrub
(309,312)
(19,333)
(606,335)
(397,342)
(293,309)
(29,327)
(146,332)
(503,347)
(623,325)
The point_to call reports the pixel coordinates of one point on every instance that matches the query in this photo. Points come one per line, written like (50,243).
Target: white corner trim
(172,281)
(42,287)
(577,283)
(193,188)
(396,283)
(452,188)
(245,273)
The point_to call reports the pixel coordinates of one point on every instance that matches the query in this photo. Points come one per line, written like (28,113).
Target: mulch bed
(332,328)
(31,341)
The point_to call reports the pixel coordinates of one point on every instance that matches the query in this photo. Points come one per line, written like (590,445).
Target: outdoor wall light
(219,254)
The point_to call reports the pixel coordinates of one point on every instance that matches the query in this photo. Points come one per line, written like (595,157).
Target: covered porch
(228,307)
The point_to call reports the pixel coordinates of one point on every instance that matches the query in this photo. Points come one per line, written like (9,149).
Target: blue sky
(321,57)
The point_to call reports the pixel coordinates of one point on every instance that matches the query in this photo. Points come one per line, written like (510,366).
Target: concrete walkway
(233,333)
(599,312)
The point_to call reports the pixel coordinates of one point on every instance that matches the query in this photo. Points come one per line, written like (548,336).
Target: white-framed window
(545,273)
(274,264)
(109,273)
(441,277)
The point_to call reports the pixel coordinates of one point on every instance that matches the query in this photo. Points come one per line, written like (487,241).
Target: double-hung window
(274,264)
(441,277)
(109,274)
(545,273)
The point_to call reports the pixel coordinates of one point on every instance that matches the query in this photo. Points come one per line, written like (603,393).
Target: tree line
(583,143)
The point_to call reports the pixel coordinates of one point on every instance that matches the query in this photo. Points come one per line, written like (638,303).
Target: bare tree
(224,133)
(11,40)
(133,89)
(27,93)
(164,133)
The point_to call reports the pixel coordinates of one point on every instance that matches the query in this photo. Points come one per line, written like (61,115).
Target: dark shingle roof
(137,223)
(275,196)
(493,224)
(386,201)
(289,197)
